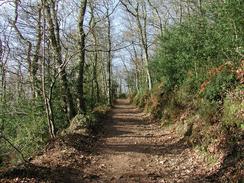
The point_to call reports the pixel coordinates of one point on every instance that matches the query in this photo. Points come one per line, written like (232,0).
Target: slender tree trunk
(68,104)
(142,32)
(95,62)
(82,36)
(96,79)
(95,67)
(137,70)
(158,15)
(104,77)
(3,87)
(109,66)
(27,43)
(143,36)
(37,55)
(47,100)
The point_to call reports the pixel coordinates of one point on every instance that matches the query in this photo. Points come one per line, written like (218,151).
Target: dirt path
(133,150)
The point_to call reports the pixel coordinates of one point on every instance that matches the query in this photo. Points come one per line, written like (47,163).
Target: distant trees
(146,21)
(138,10)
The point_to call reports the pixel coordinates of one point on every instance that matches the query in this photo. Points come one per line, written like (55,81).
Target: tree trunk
(109,66)
(82,36)
(3,86)
(37,55)
(94,74)
(143,36)
(68,104)
(47,100)
(29,47)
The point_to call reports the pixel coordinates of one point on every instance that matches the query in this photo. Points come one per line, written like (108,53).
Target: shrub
(141,99)
(122,95)
(25,126)
(234,108)
(219,85)
(210,111)
(187,91)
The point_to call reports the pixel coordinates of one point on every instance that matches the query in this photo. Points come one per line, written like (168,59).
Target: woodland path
(135,150)
(132,149)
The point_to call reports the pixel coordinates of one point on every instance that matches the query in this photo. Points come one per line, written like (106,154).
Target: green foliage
(197,59)
(198,62)
(219,85)
(141,99)
(60,117)
(25,126)
(198,44)
(233,108)
(187,92)
(209,111)
(122,95)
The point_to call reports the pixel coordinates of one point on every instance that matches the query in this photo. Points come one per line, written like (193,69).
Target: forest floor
(131,149)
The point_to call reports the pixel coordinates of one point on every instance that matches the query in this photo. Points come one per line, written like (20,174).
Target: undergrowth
(213,108)
(30,135)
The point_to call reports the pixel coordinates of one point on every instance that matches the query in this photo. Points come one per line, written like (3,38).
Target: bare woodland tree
(109,60)
(54,35)
(139,12)
(82,36)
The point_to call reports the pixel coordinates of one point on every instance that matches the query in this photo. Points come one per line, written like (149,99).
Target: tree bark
(143,35)
(37,54)
(68,104)
(46,98)
(82,37)
(109,64)
(94,76)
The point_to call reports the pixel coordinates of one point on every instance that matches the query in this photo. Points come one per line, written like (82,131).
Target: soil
(131,149)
